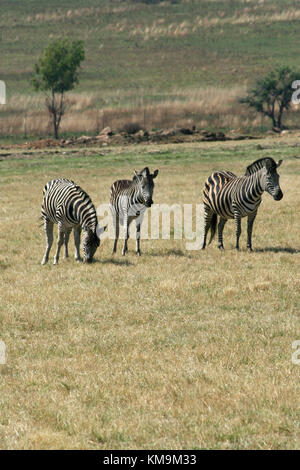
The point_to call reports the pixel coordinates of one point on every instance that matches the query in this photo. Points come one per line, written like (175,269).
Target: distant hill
(151,51)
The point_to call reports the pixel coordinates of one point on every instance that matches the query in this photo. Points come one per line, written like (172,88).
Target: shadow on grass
(117,262)
(277,249)
(166,253)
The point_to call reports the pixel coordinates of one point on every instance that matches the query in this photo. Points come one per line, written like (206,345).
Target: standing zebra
(129,201)
(232,197)
(66,204)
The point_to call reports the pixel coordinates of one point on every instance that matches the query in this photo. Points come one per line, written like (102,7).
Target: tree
(272,94)
(55,73)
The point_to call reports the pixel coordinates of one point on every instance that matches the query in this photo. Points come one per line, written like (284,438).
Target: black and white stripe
(232,197)
(129,201)
(66,204)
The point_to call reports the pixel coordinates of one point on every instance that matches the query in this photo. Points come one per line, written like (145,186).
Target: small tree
(55,73)
(272,94)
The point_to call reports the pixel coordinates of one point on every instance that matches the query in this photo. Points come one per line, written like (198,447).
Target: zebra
(129,201)
(66,204)
(232,197)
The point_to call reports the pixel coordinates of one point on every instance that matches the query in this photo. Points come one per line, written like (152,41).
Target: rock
(106,131)
(220,136)
(186,131)
(84,139)
(210,136)
(168,132)
(102,138)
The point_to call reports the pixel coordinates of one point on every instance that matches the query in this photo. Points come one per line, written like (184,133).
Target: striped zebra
(66,204)
(129,201)
(232,197)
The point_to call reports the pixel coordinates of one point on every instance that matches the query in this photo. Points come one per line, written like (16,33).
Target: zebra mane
(258,164)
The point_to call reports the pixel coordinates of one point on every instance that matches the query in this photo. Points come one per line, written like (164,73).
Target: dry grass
(176,349)
(63,15)
(208,107)
(245,16)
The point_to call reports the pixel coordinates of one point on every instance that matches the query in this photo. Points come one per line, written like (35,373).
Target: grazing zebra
(129,201)
(66,204)
(232,197)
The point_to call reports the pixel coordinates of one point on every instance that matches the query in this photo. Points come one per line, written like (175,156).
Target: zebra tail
(213,226)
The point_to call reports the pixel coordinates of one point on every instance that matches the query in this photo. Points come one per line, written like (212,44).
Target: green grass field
(147,55)
(174,350)
(132,46)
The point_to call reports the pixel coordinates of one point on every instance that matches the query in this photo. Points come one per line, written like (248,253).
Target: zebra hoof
(138,253)
(44,261)
(221,247)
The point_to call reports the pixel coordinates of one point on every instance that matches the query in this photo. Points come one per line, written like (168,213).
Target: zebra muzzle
(278,196)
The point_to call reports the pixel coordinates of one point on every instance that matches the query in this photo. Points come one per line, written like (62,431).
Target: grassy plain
(176,349)
(191,57)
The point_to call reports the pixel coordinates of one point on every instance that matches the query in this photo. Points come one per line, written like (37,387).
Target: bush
(132,127)
(272,94)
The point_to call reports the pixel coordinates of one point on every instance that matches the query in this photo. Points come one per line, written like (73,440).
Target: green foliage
(57,72)
(57,69)
(272,94)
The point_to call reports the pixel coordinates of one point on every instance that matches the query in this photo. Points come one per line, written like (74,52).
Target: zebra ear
(145,172)
(155,174)
(137,175)
(278,163)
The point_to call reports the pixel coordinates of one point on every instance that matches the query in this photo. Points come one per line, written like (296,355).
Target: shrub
(131,128)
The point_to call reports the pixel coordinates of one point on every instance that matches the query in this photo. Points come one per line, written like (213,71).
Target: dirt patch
(163,136)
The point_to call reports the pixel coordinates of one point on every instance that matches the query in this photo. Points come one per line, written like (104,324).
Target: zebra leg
(77,232)
(138,224)
(251,219)
(48,226)
(126,233)
(138,238)
(67,236)
(116,223)
(237,220)
(220,232)
(60,242)
(208,215)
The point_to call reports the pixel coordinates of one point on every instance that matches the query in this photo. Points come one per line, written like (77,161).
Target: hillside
(137,54)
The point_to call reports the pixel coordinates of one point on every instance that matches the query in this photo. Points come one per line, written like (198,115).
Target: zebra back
(66,202)
(128,188)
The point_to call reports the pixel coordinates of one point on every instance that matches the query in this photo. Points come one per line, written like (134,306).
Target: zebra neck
(136,195)
(256,184)
(87,217)
(90,223)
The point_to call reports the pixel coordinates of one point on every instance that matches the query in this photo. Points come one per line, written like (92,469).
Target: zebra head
(90,243)
(271,178)
(145,185)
